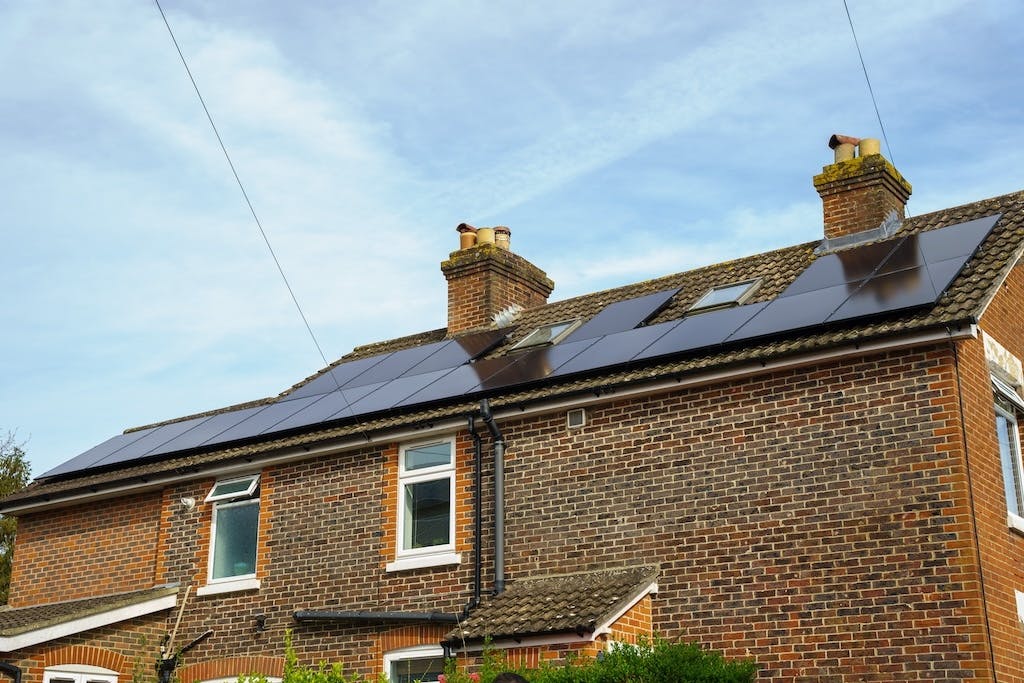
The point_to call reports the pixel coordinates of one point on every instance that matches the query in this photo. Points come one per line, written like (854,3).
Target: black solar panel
(153,439)
(91,457)
(264,420)
(614,349)
(795,312)
(622,315)
(390,394)
(701,330)
(205,431)
(887,276)
(849,265)
(337,377)
(456,382)
(531,366)
(955,240)
(334,403)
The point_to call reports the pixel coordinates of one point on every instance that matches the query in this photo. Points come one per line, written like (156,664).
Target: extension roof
(958,306)
(581,604)
(25,626)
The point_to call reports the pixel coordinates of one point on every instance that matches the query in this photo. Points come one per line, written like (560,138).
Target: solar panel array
(884,277)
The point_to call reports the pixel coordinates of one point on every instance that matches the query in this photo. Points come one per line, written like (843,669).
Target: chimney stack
(860,189)
(485,277)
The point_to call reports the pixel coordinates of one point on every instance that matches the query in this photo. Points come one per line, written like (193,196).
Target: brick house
(808,456)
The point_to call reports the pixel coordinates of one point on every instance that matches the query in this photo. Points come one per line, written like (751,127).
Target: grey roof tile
(15,621)
(571,603)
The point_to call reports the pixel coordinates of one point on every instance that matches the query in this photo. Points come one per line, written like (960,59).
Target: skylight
(546,335)
(726,295)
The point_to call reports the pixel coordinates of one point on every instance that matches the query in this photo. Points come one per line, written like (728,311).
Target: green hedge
(662,662)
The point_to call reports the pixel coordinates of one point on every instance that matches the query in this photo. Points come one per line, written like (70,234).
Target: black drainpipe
(499,496)
(11,670)
(477,513)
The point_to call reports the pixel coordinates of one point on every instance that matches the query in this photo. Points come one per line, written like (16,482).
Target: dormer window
(546,335)
(724,296)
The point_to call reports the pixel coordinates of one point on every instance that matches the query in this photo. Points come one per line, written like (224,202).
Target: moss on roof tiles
(15,621)
(962,303)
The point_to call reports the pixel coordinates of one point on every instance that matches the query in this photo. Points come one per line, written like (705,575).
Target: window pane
(410,670)
(234,552)
(727,294)
(1009,455)
(427,514)
(428,456)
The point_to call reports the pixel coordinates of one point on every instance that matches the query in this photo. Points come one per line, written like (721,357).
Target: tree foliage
(15,473)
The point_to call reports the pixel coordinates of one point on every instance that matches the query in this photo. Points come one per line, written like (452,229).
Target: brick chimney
(860,189)
(484,277)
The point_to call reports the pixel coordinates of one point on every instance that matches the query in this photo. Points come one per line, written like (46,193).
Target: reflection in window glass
(234,547)
(411,670)
(1009,456)
(427,514)
(428,456)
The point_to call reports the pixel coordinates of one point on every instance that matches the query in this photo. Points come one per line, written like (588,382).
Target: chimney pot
(869,146)
(485,235)
(467,235)
(859,192)
(503,237)
(487,279)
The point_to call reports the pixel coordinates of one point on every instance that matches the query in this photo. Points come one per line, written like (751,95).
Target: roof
(961,305)
(21,627)
(573,603)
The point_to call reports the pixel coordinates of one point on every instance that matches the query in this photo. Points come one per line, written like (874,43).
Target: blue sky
(619,140)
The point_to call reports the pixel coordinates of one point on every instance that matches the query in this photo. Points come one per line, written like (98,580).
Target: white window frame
(530,340)
(435,555)
(407,653)
(79,673)
(752,286)
(246,496)
(1009,393)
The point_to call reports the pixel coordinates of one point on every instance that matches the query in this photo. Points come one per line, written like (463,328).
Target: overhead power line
(241,187)
(871,90)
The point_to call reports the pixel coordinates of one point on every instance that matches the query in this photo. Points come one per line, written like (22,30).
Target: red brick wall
(814,519)
(858,194)
(817,520)
(486,279)
(103,547)
(1002,549)
(129,648)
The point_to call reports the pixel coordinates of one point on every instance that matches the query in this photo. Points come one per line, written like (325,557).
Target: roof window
(546,335)
(723,296)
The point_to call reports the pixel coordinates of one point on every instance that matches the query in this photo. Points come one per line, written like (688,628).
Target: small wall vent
(576,418)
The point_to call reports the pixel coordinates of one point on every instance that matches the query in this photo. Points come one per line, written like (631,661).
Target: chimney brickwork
(857,194)
(484,279)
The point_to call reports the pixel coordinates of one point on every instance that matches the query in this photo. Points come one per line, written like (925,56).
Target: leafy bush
(662,662)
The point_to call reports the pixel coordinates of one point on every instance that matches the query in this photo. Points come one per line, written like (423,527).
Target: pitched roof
(24,626)
(962,304)
(571,603)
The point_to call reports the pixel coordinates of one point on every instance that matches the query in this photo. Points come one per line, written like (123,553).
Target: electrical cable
(871,90)
(245,194)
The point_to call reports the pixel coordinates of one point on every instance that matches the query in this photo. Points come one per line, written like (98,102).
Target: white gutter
(69,628)
(448,426)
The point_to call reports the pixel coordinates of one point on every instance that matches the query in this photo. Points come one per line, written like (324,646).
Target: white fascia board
(68,628)
(447,426)
(606,627)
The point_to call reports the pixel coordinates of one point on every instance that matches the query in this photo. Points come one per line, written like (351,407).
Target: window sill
(1015,522)
(438,560)
(229,586)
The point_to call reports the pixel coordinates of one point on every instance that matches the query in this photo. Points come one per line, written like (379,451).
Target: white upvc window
(423,663)
(1009,406)
(234,533)
(426,505)
(78,673)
